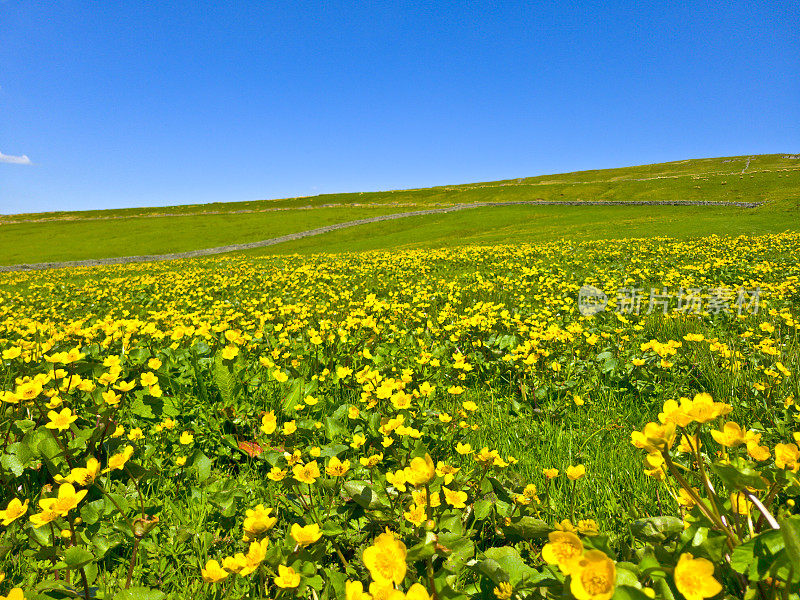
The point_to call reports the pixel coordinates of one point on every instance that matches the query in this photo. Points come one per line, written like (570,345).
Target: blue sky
(154,103)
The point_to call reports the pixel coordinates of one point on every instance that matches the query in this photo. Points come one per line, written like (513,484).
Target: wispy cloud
(15,160)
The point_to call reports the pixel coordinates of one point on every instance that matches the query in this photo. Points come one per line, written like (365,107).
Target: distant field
(77,240)
(771,179)
(534,224)
(759,178)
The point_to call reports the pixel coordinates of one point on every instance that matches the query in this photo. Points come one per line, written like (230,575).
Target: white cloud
(15,160)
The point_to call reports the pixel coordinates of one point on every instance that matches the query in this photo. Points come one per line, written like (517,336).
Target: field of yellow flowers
(410,424)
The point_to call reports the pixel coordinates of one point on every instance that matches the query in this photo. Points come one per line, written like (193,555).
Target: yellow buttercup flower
(287,578)
(258,521)
(14,510)
(563,547)
(386,559)
(731,435)
(415,514)
(694,578)
(186,438)
(417,592)
(307,535)
(593,576)
(456,499)
(213,573)
(337,468)
(576,472)
(354,590)
(307,473)
(118,460)
(269,423)
(503,591)
(420,471)
(62,420)
(550,473)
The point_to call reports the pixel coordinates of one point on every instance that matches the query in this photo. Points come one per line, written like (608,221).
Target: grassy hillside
(774,179)
(533,224)
(27,242)
(758,178)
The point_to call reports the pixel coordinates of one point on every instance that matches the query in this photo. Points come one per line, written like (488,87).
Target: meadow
(407,424)
(773,180)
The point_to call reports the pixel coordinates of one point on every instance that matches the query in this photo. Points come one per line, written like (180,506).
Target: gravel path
(320,230)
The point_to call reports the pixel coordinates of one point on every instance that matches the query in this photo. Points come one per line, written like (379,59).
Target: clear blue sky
(154,103)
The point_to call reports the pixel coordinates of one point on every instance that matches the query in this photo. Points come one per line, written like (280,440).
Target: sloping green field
(773,179)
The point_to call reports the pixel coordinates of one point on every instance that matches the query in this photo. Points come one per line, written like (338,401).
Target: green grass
(531,224)
(112,233)
(768,177)
(77,240)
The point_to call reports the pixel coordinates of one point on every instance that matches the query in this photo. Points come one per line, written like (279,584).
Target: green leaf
(529,528)
(482,508)
(139,593)
(76,557)
(361,493)
(657,529)
(790,529)
(739,475)
(202,466)
(627,592)
(505,564)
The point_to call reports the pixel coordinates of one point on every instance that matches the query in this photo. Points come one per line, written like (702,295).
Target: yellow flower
(384,590)
(371,461)
(352,413)
(14,594)
(135,434)
(85,476)
(694,578)
(358,441)
(118,460)
(13,511)
(111,398)
(213,573)
(280,377)
(654,437)
(593,576)
(154,364)
(307,473)
(740,504)
(417,592)
(336,467)
(469,405)
(455,499)
(186,438)
(289,427)
(588,527)
(576,472)
(306,535)
(731,435)
(386,559)
(258,521)
(503,591)
(397,480)
(148,379)
(180,461)
(60,421)
(230,352)
(255,556)
(287,578)
(277,474)
(787,456)
(562,549)
(269,422)
(420,471)
(354,590)
(703,408)
(550,473)
(463,448)
(415,514)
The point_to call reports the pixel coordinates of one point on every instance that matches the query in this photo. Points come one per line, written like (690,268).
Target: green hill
(773,179)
